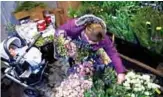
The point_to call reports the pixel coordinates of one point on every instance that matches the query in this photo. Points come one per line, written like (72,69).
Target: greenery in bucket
(27,5)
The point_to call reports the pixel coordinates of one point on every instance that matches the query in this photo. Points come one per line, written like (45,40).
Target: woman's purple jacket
(74,31)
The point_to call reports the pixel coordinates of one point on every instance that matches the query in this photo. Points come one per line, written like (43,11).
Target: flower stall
(142,29)
(71,68)
(83,80)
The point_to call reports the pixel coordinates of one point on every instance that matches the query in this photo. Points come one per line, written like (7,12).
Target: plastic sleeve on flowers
(113,54)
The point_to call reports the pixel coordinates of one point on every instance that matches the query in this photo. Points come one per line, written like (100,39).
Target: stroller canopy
(4,46)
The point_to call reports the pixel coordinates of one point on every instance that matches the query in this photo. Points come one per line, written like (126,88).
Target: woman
(92,29)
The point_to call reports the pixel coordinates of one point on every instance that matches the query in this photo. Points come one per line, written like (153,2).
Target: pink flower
(71,49)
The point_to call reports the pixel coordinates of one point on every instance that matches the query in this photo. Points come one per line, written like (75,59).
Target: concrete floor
(57,73)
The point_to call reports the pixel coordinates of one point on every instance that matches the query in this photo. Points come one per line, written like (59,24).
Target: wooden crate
(35,13)
(22,14)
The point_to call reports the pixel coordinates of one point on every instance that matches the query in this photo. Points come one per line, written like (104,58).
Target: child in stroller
(25,65)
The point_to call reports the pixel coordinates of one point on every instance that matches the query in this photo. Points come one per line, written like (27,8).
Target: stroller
(24,64)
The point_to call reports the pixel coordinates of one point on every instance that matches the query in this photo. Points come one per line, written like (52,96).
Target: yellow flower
(75,15)
(158,91)
(158,28)
(148,22)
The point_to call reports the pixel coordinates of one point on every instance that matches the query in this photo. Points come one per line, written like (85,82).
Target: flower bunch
(140,85)
(71,49)
(85,69)
(73,86)
(59,42)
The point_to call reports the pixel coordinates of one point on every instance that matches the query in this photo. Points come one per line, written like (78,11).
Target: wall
(7,7)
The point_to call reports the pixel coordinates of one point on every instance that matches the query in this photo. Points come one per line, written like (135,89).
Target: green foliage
(41,41)
(127,20)
(27,5)
(108,11)
(155,18)
(10,27)
(82,53)
(104,85)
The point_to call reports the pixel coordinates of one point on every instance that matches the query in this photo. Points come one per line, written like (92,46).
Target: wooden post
(65,5)
(145,66)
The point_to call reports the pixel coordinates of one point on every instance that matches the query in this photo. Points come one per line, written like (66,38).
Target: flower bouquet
(73,86)
(140,85)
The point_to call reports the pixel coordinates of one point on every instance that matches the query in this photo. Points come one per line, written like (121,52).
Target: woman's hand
(120,78)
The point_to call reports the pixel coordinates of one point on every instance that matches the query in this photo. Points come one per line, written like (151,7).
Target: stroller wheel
(32,93)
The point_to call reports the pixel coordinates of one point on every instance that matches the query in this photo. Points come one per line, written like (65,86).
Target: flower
(73,86)
(126,84)
(147,93)
(133,95)
(152,86)
(146,77)
(130,75)
(158,28)
(148,22)
(75,15)
(102,9)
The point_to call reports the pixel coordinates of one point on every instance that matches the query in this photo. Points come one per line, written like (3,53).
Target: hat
(89,19)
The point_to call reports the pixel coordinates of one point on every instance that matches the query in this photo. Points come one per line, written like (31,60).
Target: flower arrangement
(138,85)
(59,42)
(84,69)
(76,49)
(73,86)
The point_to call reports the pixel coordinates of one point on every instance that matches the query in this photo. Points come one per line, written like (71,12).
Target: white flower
(147,93)
(130,75)
(146,77)
(136,89)
(133,95)
(126,84)
(128,88)
(152,86)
